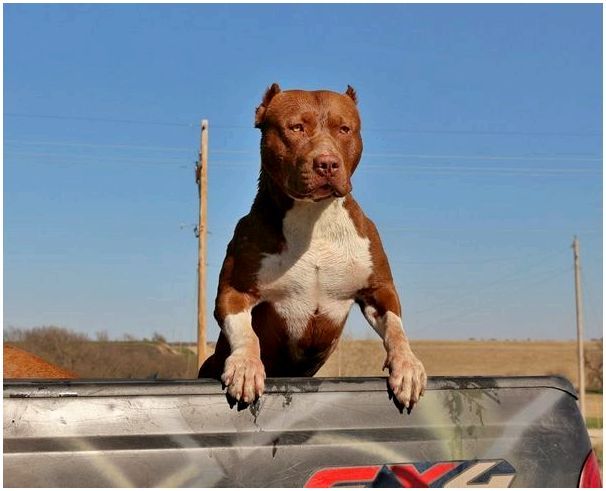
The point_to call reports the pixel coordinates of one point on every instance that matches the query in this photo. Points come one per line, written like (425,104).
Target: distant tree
(13,334)
(102,336)
(158,338)
(56,344)
(594,370)
(89,359)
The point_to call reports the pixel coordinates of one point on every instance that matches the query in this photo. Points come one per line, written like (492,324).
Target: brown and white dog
(304,254)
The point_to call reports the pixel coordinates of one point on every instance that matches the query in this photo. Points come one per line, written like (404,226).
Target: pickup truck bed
(479,432)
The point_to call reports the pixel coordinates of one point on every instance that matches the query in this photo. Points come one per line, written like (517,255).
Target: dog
(304,254)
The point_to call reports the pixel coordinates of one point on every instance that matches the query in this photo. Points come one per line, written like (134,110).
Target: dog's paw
(244,377)
(407,378)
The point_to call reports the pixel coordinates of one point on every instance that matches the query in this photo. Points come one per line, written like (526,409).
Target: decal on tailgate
(455,474)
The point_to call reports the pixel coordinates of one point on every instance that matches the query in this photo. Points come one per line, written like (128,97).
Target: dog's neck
(273,204)
(270,195)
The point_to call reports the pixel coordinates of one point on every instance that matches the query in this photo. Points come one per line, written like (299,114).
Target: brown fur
(260,232)
(289,157)
(310,147)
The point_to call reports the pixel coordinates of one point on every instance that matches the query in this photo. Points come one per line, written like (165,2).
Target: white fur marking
(238,330)
(389,327)
(325,262)
(389,320)
(371,316)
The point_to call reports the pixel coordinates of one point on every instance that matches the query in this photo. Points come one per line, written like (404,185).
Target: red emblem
(466,473)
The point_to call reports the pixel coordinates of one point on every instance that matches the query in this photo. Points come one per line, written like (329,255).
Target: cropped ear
(351,93)
(269,95)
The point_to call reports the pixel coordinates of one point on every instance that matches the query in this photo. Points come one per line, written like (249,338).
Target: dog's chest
(325,262)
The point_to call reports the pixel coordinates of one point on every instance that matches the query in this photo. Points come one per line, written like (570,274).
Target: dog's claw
(244,377)
(407,376)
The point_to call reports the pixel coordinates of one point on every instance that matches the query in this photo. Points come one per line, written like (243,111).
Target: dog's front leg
(407,377)
(243,373)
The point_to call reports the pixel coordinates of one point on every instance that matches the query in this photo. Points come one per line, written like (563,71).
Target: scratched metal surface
(183,433)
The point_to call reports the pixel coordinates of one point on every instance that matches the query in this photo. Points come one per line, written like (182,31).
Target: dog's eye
(344,129)
(297,127)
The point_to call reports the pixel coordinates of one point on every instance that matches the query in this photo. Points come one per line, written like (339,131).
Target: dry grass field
(468,358)
(487,358)
(146,359)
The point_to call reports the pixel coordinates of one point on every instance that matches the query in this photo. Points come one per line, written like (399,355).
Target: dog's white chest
(324,264)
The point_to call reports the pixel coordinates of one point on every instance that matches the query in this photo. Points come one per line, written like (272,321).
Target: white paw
(407,377)
(244,377)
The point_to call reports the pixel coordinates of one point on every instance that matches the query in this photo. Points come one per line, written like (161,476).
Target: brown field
(470,358)
(147,359)
(486,358)
(157,359)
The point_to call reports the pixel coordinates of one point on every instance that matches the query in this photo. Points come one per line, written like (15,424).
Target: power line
(87,157)
(488,157)
(464,313)
(102,120)
(101,161)
(532,157)
(382,130)
(395,165)
(483,229)
(486,132)
(453,170)
(516,276)
(98,145)
(458,168)
(508,279)
(383,229)
(589,298)
(477,261)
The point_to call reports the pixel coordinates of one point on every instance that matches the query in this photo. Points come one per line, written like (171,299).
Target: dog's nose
(326,165)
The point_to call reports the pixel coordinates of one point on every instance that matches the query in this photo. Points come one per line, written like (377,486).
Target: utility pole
(202,181)
(579,305)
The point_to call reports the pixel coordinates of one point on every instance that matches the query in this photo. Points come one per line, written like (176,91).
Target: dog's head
(311,143)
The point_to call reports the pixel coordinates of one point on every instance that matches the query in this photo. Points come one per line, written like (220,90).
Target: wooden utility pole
(579,305)
(202,181)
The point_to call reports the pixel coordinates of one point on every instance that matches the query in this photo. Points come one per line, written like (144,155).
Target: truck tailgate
(523,431)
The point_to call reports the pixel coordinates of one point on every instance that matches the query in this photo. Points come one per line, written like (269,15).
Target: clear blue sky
(483,156)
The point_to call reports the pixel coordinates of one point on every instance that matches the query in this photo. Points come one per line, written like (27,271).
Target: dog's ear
(269,95)
(351,93)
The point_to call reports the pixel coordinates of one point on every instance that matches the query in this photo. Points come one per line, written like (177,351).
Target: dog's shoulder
(254,237)
(256,234)
(366,228)
(363,224)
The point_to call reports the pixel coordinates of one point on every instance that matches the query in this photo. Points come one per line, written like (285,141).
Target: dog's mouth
(323,192)
(319,193)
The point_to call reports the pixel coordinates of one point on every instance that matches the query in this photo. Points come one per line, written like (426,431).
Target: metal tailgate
(523,431)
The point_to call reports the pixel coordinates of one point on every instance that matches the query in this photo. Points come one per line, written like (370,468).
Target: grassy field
(469,358)
(148,359)
(145,359)
(488,358)
(136,359)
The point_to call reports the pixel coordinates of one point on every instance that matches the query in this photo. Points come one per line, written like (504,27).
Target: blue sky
(482,127)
